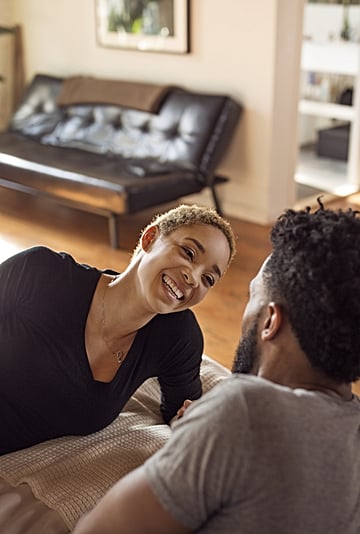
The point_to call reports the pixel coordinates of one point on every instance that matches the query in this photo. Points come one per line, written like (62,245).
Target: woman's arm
(180,375)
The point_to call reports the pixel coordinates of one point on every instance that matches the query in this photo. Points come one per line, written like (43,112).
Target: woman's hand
(181,410)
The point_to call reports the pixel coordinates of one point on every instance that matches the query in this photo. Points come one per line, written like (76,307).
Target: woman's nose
(191,279)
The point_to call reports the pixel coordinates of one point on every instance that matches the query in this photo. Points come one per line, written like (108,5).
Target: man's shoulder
(239,384)
(262,399)
(253,395)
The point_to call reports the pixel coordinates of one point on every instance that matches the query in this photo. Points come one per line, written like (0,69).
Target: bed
(47,487)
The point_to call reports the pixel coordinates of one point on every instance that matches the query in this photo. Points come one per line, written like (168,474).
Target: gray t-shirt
(252,456)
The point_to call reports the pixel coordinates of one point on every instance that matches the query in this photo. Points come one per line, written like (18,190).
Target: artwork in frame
(145,25)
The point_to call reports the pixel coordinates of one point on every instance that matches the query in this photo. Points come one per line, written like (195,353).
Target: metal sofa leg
(216,200)
(217,180)
(113,230)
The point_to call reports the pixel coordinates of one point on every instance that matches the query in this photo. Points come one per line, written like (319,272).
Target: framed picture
(145,25)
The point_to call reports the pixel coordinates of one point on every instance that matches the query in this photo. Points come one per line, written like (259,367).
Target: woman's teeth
(170,284)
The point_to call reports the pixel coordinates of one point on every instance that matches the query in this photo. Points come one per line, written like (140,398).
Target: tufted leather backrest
(38,113)
(191,130)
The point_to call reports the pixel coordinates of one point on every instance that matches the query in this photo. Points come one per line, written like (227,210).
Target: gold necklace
(119,355)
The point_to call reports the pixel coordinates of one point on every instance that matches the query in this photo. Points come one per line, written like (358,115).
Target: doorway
(328,125)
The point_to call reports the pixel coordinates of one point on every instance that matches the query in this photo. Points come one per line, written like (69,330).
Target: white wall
(249,49)
(6,62)
(6,12)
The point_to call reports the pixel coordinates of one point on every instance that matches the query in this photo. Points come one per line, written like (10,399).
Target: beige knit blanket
(90,90)
(70,474)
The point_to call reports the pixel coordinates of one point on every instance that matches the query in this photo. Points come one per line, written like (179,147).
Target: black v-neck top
(46,386)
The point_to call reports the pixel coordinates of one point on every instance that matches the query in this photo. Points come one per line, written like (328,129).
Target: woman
(76,342)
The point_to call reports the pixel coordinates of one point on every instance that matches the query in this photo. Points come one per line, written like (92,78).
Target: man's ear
(148,237)
(273,321)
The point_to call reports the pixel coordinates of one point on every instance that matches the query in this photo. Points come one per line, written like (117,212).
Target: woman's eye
(189,253)
(210,280)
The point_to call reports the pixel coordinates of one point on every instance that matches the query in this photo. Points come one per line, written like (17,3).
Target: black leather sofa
(111,159)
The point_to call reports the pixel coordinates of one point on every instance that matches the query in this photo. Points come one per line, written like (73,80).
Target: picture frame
(143,25)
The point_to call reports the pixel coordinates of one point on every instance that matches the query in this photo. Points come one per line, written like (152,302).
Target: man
(276,447)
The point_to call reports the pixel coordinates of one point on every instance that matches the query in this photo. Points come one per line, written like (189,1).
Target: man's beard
(246,355)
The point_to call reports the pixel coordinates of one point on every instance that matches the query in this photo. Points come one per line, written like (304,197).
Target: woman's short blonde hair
(186,215)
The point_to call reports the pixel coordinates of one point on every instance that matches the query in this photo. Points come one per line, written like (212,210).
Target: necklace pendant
(119,356)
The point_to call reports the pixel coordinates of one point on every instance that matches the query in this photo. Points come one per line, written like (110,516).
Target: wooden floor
(26,221)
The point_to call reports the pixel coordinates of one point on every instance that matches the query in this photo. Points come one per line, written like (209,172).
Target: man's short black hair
(314,273)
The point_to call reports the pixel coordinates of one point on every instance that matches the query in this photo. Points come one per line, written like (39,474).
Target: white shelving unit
(332,58)
(327,109)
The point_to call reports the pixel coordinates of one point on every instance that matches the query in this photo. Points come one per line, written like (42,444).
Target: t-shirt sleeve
(23,274)
(17,274)
(180,375)
(199,472)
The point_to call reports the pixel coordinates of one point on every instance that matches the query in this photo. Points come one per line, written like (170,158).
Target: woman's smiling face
(176,271)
